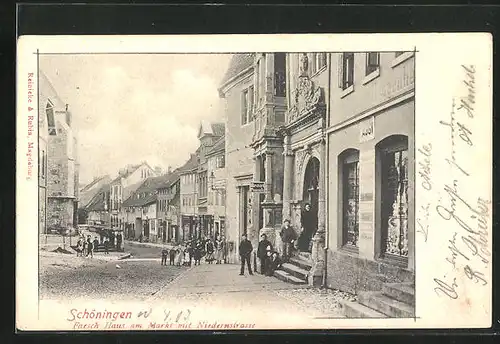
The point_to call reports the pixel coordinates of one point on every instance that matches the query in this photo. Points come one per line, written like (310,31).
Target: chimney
(169,169)
(158,170)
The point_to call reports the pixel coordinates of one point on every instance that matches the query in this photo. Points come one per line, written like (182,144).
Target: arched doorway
(309,218)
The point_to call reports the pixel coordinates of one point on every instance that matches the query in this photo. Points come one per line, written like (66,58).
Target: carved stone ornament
(304,64)
(307,97)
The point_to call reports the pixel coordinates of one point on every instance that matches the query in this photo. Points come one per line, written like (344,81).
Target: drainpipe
(325,269)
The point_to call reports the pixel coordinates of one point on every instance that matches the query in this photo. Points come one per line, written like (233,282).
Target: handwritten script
(465,218)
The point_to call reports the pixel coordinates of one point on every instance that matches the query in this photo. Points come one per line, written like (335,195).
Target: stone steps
(353,309)
(301,263)
(386,305)
(295,270)
(403,292)
(286,277)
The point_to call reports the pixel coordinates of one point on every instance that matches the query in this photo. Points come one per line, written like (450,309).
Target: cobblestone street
(216,287)
(66,276)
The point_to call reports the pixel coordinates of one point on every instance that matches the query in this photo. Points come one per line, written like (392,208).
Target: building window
(51,123)
(349,162)
(279,74)
(220,161)
(346,75)
(372,62)
(319,61)
(393,153)
(247,105)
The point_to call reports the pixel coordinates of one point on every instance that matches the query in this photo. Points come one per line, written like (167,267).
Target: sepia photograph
(211,170)
(252,184)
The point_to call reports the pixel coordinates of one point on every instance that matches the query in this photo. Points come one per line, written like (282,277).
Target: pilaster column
(287,178)
(256,168)
(316,275)
(321,187)
(269,177)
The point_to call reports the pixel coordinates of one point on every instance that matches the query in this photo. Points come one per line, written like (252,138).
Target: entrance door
(138,227)
(311,195)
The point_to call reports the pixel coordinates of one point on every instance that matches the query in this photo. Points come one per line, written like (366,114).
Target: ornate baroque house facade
(334,130)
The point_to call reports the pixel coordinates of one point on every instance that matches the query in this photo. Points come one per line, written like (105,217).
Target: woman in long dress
(186,256)
(308,221)
(219,250)
(178,256)
(210,251)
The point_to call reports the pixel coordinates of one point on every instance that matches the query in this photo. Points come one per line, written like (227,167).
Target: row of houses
(172,207)
(58,165)
(335,130)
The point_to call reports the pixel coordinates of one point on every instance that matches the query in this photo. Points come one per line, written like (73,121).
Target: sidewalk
(221,287)
(224,278)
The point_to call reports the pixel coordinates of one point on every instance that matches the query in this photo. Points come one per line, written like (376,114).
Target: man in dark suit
(245,250)
(264,246)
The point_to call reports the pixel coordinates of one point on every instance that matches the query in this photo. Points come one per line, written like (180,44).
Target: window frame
(346,158)
(347,78)
(320,62)
(400,57)
(390,145)
(371,66)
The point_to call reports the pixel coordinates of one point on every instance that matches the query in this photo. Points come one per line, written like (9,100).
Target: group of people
(193,251)
(270,259)
(87,247)
(303,242)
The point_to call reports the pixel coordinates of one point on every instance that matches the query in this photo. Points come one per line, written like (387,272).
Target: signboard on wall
(257,187)
(367,130)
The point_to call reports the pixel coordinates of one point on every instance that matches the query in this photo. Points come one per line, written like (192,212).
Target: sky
(131,108)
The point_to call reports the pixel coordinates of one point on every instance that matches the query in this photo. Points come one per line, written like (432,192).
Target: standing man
(119,239)
(288,237)
(264,246)
(96,244)
(90,249)
(224,249)
(164,254)
(245,252)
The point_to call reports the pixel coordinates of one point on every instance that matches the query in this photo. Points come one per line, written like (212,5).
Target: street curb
(124,256)
(150,245)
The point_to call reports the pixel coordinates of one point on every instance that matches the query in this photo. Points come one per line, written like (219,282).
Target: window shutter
(340,69)
(350,71)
